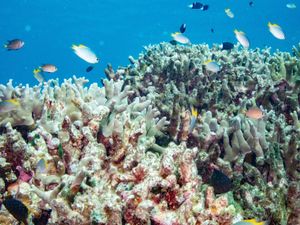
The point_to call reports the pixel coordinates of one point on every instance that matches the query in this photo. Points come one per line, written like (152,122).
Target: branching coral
(130,153)
(176,79)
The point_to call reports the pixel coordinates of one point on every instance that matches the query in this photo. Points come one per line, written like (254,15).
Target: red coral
(172,199)
(139,173)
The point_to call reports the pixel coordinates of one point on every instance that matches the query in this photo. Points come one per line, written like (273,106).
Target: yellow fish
(85,53)
(9,105)
(37,74)
(212,66)
(241,37)
(180,38)
(276,31)
(193,119)
(250,222)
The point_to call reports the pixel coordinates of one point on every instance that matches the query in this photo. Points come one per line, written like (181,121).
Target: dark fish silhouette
(205,7)
(251,3)
(199,5)
(43,219)
(220,182)
(227,46)
(212,30)
(14,44)
(183,28)
(89,69)
(173,42)
(17,209)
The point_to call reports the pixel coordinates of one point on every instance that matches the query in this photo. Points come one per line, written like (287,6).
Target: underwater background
(115,29)
(181,130)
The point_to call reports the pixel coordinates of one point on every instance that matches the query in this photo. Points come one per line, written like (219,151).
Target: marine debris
(126,153)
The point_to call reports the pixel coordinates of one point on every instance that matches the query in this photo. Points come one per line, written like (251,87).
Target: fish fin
(273,24)
(238,32)
(175,33)
(5,45)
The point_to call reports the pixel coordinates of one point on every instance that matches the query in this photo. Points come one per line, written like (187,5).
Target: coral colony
(131,152)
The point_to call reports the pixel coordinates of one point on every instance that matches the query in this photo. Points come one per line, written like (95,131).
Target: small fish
(85,53)
(41,167)
(241,37)
(254,113)
(226,46)
(45,68)
(212,30)
(180,38)
(37,74)
(291,6)
(9,105)
(250,222)
(212,66)
(220,182)
(251,3)
(276,31)
(44,217)
(193,119)
(89,69)
(229,13)
(17,209)
(48,68)
(198,5)
(14,44)
(182,28)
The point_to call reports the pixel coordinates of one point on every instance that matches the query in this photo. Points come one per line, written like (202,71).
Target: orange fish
(254,113)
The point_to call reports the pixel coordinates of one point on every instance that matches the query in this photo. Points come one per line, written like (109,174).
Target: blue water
(115,29)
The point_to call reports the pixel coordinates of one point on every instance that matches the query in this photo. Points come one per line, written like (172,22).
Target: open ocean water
(115,29)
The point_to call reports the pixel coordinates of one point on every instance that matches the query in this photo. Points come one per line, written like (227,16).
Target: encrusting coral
(126,153)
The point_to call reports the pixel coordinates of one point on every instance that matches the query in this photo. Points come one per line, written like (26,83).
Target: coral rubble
(125,153)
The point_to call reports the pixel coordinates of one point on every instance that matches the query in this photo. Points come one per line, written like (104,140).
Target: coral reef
(103,165)
(260,156)
(130,153)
